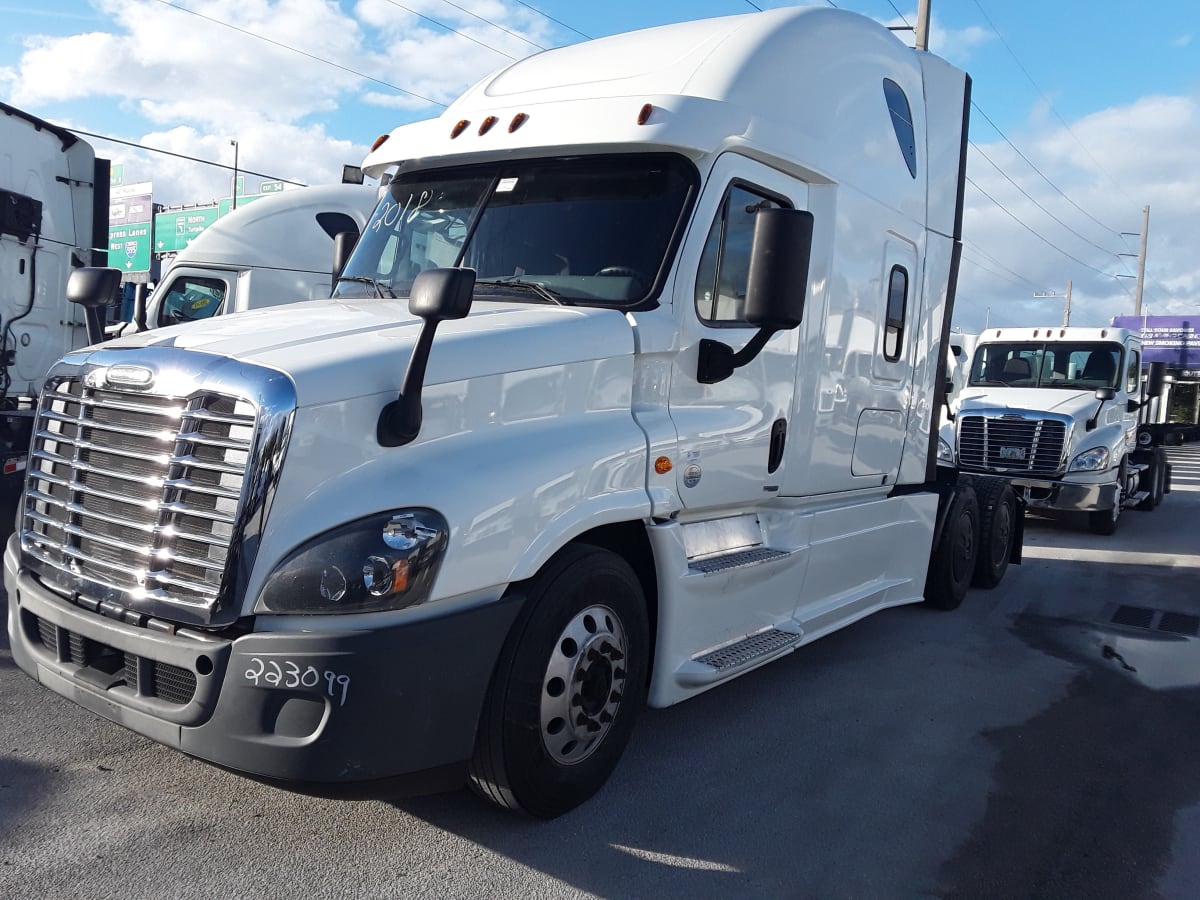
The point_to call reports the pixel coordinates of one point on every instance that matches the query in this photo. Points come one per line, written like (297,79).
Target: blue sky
(1098,102)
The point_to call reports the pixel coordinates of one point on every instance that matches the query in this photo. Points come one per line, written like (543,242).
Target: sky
(1084,112)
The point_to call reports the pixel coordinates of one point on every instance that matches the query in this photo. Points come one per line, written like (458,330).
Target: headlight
(385,561)
(945,452)
(1094,460)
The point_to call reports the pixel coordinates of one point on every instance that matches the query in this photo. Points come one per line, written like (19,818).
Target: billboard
(1174,340)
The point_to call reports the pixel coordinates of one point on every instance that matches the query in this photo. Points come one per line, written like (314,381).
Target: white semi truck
(584,428)
(275,250)
(53,218)
(1056,411)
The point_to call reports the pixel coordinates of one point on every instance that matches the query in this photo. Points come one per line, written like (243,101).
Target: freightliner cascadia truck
(629,387)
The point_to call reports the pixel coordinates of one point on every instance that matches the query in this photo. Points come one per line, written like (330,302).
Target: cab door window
(725,260)
(191,297)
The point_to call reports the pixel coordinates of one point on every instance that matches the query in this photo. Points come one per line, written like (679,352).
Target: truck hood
(1072,403)
(338,349)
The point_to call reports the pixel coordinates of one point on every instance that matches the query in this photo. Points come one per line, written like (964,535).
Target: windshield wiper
(381,289)
(529,287)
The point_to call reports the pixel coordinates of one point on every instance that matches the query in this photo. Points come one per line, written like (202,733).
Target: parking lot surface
(1038,742)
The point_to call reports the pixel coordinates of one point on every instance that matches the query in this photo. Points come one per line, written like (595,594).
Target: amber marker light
(379,142)
(662,465)
(459,128)
(486,125)
(644,115)
(517,122)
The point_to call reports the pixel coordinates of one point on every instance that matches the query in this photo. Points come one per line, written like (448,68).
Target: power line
(452,29)
(1043,95)
(207,162)
(1087,240)
(515,34)
(1044,240)
(999,275)
(1029,162)
(291,49)
(977,249)
(554,20)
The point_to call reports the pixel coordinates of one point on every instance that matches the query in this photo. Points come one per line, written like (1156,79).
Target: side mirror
(1103,394)
(776,288)
(436,295)
(777,282)
(1132,405)
(343,246)
(93,288)
(1156,379)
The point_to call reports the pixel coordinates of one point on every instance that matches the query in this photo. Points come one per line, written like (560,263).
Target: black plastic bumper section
(299,707)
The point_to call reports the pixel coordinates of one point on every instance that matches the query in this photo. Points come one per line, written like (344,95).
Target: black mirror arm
(1090,425)
(400,421)
(718,360)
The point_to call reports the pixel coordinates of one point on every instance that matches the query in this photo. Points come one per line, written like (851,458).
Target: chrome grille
(135,494)
(1011,444)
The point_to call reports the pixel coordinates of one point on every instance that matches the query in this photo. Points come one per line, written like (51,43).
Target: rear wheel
(953,562)
(569,684)
(997,530)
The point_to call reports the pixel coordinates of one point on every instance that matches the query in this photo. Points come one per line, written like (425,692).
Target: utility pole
(1042,295)
(233,193)
(922,30)
(1141,275)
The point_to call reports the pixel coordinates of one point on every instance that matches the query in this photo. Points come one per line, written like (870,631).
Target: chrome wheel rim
(583,685)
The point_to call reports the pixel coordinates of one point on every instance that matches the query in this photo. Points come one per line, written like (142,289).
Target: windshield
(1073,366)
(590,230)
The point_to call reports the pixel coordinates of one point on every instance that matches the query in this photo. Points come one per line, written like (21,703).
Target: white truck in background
(276,250)
(53,219)
(1056,411)
(583,428)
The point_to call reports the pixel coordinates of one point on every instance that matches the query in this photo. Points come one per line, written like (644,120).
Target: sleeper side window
(725,261)
(897,306)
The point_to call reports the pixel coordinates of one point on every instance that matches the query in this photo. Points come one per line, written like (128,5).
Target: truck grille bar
(136,496)
(1011,445)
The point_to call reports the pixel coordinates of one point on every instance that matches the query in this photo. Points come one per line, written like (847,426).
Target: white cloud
(1110,164)
(1184,40)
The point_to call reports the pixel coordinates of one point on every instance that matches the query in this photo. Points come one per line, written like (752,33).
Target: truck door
(731,434)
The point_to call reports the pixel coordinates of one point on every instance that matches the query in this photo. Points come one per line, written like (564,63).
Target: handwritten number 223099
(288,674)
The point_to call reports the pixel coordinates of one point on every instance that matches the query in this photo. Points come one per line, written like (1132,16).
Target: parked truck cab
(1056,411)
(628,388)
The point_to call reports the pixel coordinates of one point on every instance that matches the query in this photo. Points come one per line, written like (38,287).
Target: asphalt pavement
(1038,742)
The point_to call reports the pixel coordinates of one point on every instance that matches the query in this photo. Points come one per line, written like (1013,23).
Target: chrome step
(748,649)
(752,557)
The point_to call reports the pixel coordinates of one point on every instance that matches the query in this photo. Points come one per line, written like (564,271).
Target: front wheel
(569,684)
(1104,521)
(997,531)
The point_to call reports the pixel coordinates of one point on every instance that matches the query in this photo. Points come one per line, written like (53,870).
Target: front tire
(1104,521)
(997,531)
(569,684)
(953,562)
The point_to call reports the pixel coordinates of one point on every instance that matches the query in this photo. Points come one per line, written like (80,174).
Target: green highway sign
(225,206)
(129,247)
(270,187)
(174,230)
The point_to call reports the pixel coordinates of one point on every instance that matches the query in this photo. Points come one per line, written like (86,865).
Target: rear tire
(953,562)
(570,681)
(997,530)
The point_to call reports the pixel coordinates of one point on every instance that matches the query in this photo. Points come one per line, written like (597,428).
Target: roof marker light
(486,125)
(459,128)
(644,115)
(517,122)
(379,141)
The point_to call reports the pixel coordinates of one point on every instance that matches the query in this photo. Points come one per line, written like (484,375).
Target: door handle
(778,439)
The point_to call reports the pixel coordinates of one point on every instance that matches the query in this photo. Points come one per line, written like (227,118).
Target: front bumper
(295,706)
(1066,495)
